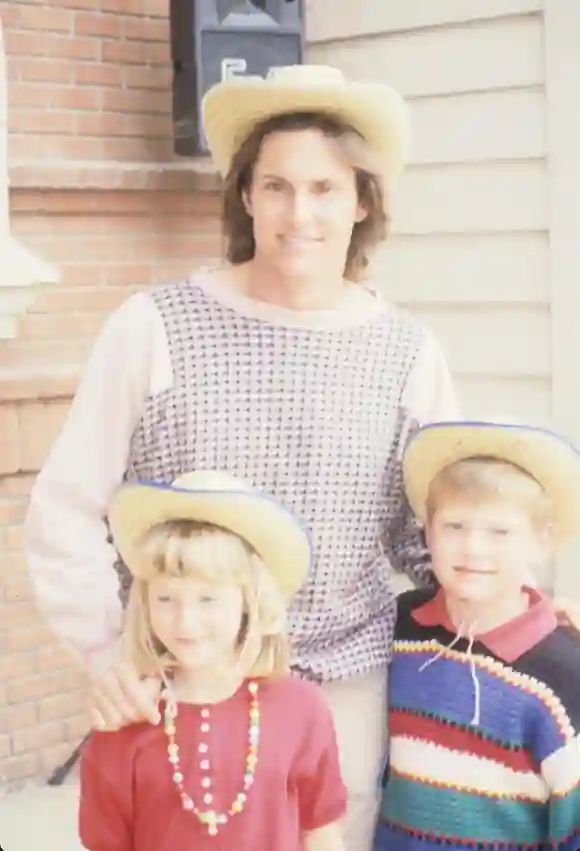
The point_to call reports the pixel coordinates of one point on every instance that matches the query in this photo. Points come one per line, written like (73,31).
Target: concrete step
(40,818)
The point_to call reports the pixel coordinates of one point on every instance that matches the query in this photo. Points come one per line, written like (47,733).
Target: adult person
(285,367)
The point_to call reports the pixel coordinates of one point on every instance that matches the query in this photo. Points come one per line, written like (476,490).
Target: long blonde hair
(185,548)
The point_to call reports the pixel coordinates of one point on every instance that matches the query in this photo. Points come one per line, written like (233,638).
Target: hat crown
(210,480)
(307,75)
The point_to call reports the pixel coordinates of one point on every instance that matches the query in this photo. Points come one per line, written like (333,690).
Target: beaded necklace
(210,817)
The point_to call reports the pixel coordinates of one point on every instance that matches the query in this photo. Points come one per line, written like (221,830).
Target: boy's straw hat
(209,496)
(231,109)
(544,455)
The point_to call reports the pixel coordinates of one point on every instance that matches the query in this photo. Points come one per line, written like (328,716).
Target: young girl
(245,757)
(484,705)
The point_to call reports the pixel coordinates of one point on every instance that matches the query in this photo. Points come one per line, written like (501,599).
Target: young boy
(484,706)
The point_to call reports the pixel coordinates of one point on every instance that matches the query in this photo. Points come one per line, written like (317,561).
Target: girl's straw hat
(209,496)
(231,109)
(544,455)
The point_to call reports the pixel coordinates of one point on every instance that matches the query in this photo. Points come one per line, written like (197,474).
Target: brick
(11,511)
(99,75)
(89,299)
(57,657)
(17,485)
(28,44)
(4,746)
(146,29)
(40,736)
(130,7)
(17,614)
(37,686)
(42,121)
(137,101)
(18,589)
(47,18)
(19,767)
(156,77)
(61,706)
(9,440)
(12,564)
(88,124)
(136,52)
(15,717)
(28,637)
(40,422)
(15,539)
(98,24)
(16,666)
(46,70)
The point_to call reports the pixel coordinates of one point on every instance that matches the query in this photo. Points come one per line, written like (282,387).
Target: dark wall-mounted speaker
(212,40)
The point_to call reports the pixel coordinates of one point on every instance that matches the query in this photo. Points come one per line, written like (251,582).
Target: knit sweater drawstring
(470,635)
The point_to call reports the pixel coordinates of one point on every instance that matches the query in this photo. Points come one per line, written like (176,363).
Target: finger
(110,699)
(141,695)
(105,716)
(97,720)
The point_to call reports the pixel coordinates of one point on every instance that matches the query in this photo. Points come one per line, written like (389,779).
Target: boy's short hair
(481,479)
(520,451)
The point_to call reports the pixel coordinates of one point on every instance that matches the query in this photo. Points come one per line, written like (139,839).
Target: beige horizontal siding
(339,19)
(465,269)
(504,53)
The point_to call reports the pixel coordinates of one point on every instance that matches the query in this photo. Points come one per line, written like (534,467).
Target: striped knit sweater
(484,742)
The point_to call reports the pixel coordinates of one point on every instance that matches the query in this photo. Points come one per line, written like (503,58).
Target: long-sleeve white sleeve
(70,560)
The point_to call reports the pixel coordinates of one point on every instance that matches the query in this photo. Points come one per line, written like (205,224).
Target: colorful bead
(211,818)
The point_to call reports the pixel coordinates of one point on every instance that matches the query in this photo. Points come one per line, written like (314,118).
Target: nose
(302,207)
(188,621)
(475,543)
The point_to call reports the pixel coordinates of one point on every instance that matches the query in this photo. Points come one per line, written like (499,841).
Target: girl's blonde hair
(477,480)
(186,548)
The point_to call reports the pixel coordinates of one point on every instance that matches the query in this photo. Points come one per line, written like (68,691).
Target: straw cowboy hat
(231,109)
(209,496)
(544,455)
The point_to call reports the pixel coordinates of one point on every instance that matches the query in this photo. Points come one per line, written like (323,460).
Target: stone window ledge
(22,276)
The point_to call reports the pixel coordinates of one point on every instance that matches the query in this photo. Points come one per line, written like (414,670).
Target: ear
(247,202)
(360,214)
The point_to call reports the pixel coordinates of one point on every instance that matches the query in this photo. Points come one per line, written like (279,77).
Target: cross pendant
(212,819)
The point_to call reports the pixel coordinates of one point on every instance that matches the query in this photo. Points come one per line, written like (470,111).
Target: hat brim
(549,458)
(233,108)
(280,540)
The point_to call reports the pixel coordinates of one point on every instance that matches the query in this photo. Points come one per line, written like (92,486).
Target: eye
(322,187)
(274,186)
(207,599)
(500,532)
(164,598)
(454,525)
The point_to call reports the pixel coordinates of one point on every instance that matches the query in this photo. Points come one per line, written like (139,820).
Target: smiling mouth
(299,240)
(471,572)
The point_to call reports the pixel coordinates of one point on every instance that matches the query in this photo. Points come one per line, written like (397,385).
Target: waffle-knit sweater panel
(313,417)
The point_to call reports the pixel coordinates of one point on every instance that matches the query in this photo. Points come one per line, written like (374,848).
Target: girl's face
(198,622)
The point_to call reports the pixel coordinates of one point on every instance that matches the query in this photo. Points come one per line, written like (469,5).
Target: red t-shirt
(129,802)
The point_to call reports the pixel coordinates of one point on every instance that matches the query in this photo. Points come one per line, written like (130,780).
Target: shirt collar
(509,640)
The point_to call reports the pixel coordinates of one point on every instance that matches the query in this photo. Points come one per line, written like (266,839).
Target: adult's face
(304,204)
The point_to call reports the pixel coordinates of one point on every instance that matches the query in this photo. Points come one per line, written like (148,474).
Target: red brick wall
(91,78)
(96,190)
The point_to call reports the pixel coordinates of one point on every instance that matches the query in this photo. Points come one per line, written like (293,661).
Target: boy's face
(483,552)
